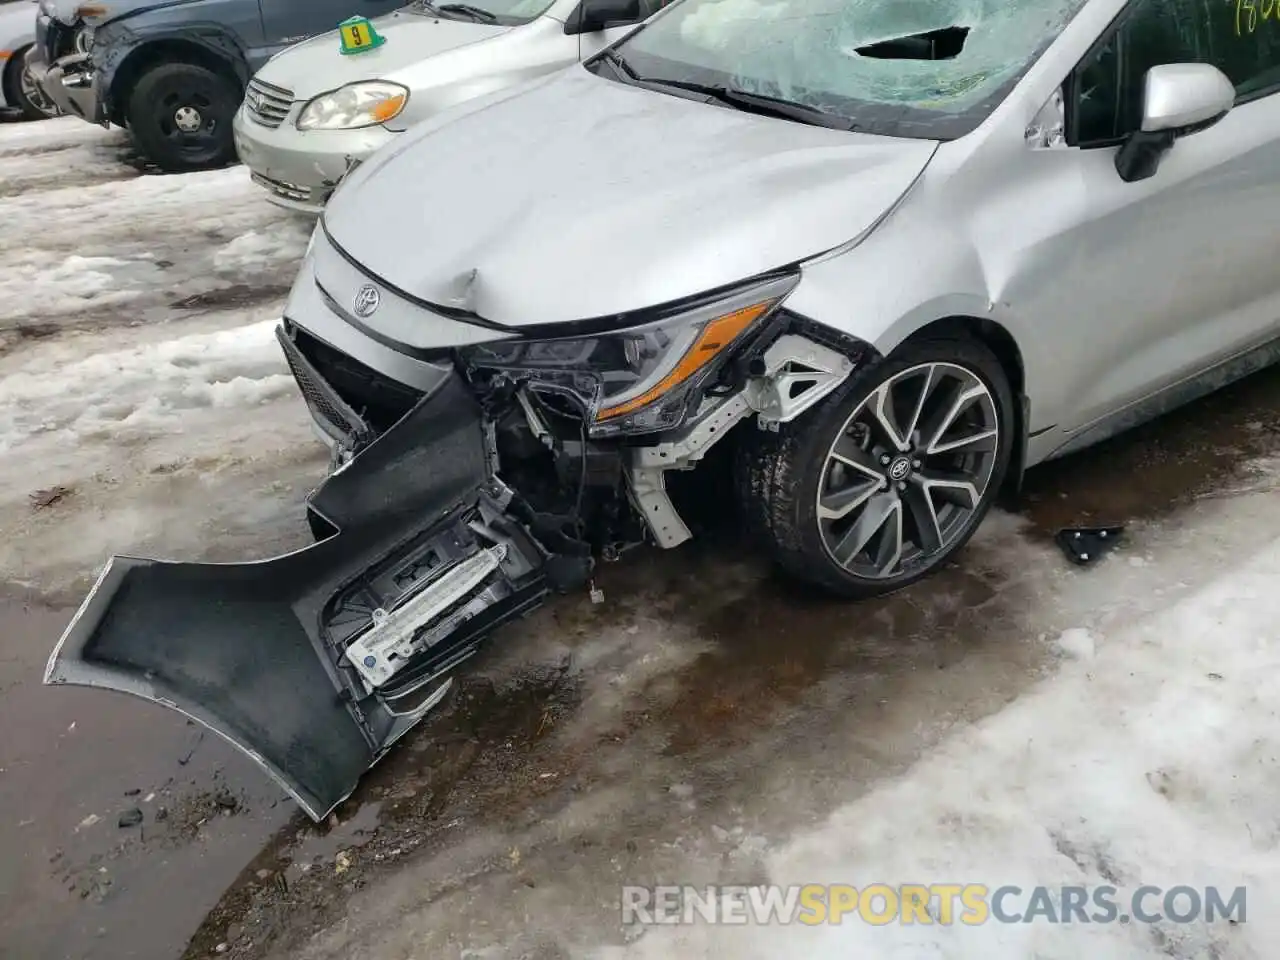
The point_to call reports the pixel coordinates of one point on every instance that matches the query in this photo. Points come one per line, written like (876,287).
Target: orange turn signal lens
(91,10)
(715,337)
(386,109)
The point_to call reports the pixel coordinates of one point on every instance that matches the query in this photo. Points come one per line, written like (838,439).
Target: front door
(1180,268)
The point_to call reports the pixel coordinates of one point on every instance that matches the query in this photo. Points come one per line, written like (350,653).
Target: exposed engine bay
(447,513)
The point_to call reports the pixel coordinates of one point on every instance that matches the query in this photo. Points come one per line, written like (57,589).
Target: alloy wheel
(32,93)
(908,471)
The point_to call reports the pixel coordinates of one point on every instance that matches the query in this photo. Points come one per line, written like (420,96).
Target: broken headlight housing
(635,379)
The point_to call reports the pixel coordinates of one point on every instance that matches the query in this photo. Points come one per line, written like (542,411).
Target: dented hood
(583,197)
(317,65)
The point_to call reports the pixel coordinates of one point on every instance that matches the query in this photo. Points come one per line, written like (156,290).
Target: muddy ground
(705,710)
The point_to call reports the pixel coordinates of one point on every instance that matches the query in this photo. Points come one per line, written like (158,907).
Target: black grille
(345,423)
(59,40)
(376,400)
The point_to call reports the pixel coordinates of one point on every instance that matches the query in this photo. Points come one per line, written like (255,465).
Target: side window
(1245,37)
(1240,37)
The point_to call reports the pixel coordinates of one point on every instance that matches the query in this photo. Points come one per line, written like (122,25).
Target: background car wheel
(21,90)
(885,480)
(180,116)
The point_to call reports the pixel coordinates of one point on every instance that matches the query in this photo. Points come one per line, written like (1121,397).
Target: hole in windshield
(915,68)
(944,44)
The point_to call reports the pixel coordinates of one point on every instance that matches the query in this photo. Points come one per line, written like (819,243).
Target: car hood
(580,197)
(316,65)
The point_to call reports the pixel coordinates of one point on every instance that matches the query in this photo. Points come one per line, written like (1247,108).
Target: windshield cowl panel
(909,68)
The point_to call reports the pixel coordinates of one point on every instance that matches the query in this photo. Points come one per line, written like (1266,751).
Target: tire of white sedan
(20,88)
(180,116)
(886,480)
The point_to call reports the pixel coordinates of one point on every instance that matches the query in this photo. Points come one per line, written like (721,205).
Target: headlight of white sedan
(363,104)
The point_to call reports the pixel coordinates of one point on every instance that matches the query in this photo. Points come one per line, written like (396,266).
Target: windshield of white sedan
(924,68)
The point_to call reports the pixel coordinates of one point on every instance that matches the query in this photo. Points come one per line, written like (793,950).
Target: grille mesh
(267,104)
(318,395)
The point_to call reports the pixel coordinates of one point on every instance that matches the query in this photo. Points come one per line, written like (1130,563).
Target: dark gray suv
(173,72)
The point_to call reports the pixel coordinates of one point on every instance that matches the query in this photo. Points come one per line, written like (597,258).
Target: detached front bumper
(300,169)
(314,663)
(70,82)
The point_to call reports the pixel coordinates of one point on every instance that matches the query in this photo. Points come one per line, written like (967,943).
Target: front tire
(887,479)
(180,116)
(21,89)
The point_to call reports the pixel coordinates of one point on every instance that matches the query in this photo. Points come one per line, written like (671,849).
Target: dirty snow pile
(140,380)
(1151,758)
(139,389)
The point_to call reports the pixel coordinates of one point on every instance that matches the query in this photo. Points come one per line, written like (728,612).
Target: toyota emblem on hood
(367,300)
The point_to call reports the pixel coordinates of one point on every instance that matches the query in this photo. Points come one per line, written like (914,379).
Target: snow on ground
(86,237)
(1153,762)
(19,141)
(138,369)
(67,395)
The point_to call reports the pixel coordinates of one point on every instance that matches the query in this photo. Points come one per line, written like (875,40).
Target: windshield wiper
(614,59)
(752,102)
(467,9)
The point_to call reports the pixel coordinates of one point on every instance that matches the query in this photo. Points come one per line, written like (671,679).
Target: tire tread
(769,470)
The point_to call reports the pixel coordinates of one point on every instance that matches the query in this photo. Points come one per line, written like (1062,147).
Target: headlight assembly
(639,379)
(363,104)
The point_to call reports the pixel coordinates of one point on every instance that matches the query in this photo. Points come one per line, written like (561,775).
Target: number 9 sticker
(359,35)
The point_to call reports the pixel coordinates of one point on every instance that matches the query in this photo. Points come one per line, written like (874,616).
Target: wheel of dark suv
(20,89)
(884,481)
(180,115)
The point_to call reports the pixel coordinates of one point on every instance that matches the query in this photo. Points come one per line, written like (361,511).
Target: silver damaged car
(885,253)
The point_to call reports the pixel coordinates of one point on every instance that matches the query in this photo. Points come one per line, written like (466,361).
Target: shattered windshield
(922,68)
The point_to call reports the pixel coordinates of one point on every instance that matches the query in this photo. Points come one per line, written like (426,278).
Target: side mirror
(594,15)
(1180,99)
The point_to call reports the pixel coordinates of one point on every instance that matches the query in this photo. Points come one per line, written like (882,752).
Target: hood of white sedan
(317,65)
(583,197)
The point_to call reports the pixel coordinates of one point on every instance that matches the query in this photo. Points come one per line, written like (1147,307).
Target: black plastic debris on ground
(1086,545)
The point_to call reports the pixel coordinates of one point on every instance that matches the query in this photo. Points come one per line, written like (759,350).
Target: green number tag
(359,35)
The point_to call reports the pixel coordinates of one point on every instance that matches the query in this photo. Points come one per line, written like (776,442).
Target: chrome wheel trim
(32,92)
(908,470)
(188,119)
